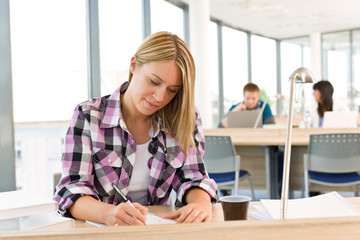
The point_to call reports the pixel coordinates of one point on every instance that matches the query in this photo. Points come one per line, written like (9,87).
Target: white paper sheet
(326,205)
(152,219)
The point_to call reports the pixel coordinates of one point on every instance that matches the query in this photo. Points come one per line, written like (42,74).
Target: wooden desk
(321,228)
(258,151)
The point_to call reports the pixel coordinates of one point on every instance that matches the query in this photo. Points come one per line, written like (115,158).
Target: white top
(338,106)
(140,178)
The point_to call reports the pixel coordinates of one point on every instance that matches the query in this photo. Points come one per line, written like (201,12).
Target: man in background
(251,93)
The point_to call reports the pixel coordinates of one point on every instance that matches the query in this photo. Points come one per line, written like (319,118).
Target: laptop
(340,119)
(244,119)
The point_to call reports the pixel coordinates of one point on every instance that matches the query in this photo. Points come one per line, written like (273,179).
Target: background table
(258,149)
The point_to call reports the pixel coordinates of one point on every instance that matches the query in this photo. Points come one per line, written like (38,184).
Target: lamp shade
(302,75)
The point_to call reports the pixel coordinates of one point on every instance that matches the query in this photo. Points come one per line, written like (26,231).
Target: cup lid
(235,198)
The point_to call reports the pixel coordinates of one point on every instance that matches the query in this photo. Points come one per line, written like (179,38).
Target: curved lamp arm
(300,75)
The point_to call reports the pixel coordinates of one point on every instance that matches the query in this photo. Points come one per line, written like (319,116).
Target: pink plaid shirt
(99,150)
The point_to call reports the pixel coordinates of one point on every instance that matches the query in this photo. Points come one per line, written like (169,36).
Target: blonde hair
(178,116)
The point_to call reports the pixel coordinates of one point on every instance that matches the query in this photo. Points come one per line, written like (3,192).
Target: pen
(121,194)
(123,197)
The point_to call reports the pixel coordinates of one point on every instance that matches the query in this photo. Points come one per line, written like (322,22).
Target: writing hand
(125,214)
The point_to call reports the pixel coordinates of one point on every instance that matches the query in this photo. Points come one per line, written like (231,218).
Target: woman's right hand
(125,214)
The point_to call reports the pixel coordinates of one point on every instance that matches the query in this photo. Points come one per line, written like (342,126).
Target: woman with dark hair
(323,91)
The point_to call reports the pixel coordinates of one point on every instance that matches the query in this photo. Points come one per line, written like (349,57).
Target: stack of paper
(327,205)
(23,203)
(20,210)
(51,220)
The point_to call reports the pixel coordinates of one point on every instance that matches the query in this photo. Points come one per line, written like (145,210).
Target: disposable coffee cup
(235,207)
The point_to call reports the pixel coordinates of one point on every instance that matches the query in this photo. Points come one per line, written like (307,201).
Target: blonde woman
(146,138)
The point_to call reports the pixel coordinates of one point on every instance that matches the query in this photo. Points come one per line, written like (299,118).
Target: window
(356,68)
(295,53)
(263,51)
(49,72)
(214,72)
(234,65)
(120,30)
(336,50)
(166,17)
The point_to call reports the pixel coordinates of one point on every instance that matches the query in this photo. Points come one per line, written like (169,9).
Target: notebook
(326,205)
(340,119)
(244,119)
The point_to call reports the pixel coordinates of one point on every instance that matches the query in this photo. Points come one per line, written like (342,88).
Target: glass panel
(235,66)
(120,30)
(290,61)
(295,53)
(308,97)
(166,17)
(263,68)
(356,68)
(214,72)
(336,50)
(307,57)
(49,71)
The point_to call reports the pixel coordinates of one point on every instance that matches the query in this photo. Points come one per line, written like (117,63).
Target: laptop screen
(244,119)
(340,119)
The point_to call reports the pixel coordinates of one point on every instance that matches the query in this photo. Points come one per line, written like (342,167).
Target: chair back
(220,154)
(56,179)
(334,153)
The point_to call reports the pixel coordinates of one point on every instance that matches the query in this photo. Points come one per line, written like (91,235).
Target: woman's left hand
(198,209)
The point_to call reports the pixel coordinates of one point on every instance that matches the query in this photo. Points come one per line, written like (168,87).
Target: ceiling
(281,19)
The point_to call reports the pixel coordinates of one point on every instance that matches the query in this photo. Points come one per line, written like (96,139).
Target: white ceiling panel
(281,19)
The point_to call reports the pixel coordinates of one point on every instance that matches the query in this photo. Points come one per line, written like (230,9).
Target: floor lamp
(301,75)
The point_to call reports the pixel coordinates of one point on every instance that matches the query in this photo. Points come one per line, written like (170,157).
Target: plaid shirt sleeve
(193,173)
(77,177)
